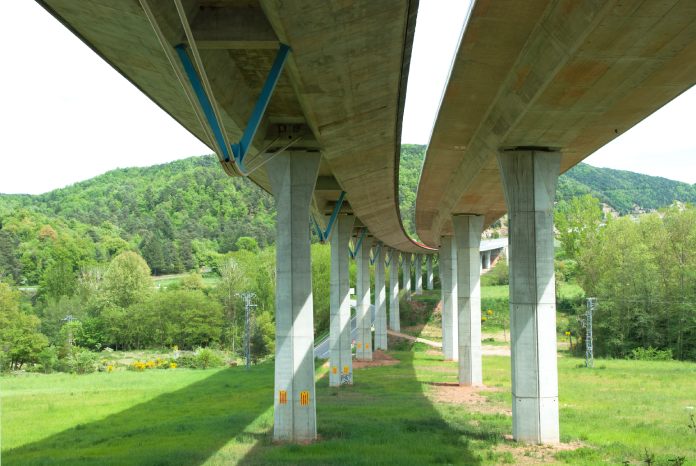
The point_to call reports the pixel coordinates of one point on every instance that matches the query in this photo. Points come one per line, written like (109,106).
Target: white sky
(86,119)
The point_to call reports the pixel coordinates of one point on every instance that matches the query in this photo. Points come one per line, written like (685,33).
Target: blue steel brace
(375,255)
(240,150)
(324,235)
(390,254)
(357,245)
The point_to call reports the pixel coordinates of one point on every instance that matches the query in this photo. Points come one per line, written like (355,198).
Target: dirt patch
(535,454)
(469,396)
(488,350)
(379,358)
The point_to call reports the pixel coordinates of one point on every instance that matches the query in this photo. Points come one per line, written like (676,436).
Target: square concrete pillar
(363,342)
(467,236)
(406,270)
(448,281)
(529,181)
(380,299)
(429,272)
(340,356)
(394,319)
(418,266)
(292,178)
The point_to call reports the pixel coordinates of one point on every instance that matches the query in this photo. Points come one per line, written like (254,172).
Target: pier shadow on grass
(184,427)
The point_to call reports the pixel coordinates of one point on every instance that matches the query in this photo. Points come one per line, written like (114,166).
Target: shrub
(651,354)
(79,361)
(202,358)
(48,358)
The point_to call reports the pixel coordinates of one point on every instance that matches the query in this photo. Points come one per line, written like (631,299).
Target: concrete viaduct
(305,98)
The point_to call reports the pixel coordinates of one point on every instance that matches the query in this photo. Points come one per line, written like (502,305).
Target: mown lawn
(225,416)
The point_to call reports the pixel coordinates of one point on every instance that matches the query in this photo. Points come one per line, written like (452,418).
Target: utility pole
(589,353)
(248,298)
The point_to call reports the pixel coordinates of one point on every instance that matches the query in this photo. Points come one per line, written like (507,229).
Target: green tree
(575,221)
(21,341)
(127,279)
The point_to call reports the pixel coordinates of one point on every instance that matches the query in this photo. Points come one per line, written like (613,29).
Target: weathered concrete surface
(380,299)
(344,84)
(418,275)
(467,238)
(341,357)
(394,318)
(558,74)
(448,284)
(530,187)
(429,271)
(406,271)
(363,344)
(293,177)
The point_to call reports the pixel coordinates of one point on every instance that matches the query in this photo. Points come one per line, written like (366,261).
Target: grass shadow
(183,427)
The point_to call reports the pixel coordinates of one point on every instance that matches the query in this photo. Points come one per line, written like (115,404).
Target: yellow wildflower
(489,312)
(172,365)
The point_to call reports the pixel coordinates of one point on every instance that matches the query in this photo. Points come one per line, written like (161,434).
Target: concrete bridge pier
(394,319)
(406,269)
(429,272)
(363,342)
(380,299)
(486,260)
(467,235)
(419,273)
(340,356)
(293,176)
(448,281)
(529,181)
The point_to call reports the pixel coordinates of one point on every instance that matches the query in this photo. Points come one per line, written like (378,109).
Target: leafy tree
(247,243)
(575,220)
(127,280)
(20,338)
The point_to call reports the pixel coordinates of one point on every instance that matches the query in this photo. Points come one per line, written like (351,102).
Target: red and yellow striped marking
(304,398)
(283,397)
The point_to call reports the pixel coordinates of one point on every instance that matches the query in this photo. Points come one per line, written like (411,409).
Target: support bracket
(352,252)
(324,235)
(375,253)
(237,151)
(388,260)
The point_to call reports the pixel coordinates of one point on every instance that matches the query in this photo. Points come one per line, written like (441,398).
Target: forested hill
(622,190)
(180,214)
(166,211)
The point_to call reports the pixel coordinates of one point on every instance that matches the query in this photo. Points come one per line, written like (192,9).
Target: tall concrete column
(419,273)
(429,271)
(394,319)
(467,236)
(380,299)
(292,178)
(363,342)
(406,270)
(486,260)
(340,357)
(448,280)
(529,181)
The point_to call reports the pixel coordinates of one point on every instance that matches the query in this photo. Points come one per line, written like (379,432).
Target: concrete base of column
(363,342)
(293,176)
(529,180)
(467,236)
(448,281)
(340,355)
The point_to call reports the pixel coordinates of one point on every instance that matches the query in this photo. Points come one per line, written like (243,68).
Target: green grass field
(225,416)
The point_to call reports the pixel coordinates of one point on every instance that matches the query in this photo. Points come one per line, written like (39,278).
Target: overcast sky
(68,116)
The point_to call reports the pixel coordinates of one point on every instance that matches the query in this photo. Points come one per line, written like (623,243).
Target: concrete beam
(363,342)
(241,28)
(448,281)
(429,272)
(292,178)
(380,300)
(394,318)
(529,180)
(340,355)
(467,236)
(419,273)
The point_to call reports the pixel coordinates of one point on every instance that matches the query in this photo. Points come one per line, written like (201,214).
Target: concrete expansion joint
(530,149)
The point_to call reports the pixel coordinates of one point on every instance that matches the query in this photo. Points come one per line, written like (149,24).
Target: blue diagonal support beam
(324,235)
(375,255)
(240,150)
(358,244)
